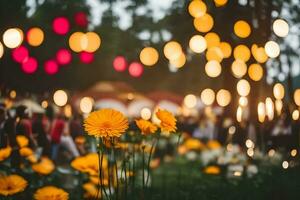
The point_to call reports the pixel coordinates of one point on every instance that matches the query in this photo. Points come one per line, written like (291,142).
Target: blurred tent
(111,103)
(32,105)
(136,105)
(158,96)
(170,106)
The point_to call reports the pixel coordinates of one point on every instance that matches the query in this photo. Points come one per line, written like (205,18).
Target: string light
(243,87)
(86,105)
(297,97)
(190,101)
(149,56)
(281,28)
(172,50)
(261,112)
(223,97)
(242,29)
(278,91)
(197,8)
(255,72)
(60,98)
(208,96)
(213,68)
(272,49)
(204,24)
(197,44)
(238,68)
(13,37)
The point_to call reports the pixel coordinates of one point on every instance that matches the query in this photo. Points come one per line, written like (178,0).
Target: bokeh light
(29,65)
(278,91)
(297,97)
(77,41)
(212,39)
(278,106)
(239,114)
(51,67)
(259,53)
(223,97)
(226,49)
(213,68)
(179,62)
(61,25)
(120,63)
(190,101)
(81,19)
(242,52)
(272,49)
(219,3)
(149,56)
(20,54)
(86,105)
(146,113)
(208,96)
(63,57)
(269,108)
(90,42)
(281,28)
(35,36)
(197,44)
(261,112)
(197,8)
(243,101)
(238,68)
(86,57)
(242,29)
(255,72)
(243,87)
(214,53)
(204,24)
(172,50)
(1,50)
(60,98)
(135,69)
(13,37)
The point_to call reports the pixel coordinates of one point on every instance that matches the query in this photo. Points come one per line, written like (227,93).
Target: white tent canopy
(111,103)
(170,106)
(135,107)
(33,106)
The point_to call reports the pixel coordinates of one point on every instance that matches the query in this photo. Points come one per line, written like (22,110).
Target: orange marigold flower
(167,121)
(91,191)
(25,151)
(213,170)
(12,184)
(213,144)
(22,141)
(106,123)
(51,193)
(145,126)
(44,167)
(5,153)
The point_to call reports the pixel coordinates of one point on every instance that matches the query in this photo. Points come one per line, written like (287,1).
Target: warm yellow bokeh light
(269,108)
(259,53)
(197,8)
(197,44)
(68,111)
(44,104)
(223,97)
(213,68)
(60,98)
(272,49)
(146,113)
(242,29)
(13,37)
(238,68)
(214,53)
(219,3)
(242,52)
(226,49)
(243,87)
(77,41)
(295,115)
(278,91)
(208,96)
(190,101)
(281,27)
(297,97)
(172,50)
(86,105)
(255,72)
(261,112)
(204,24)
(278,106)
(1,50)
(212,39)
(179,62)
(35,36)
(243,101)
(239,114)
(91,43)
(149,56)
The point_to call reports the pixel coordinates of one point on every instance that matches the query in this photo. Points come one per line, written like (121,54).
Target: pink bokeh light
(63,57)
(61,25)
(86,57)
(120,64)
(136,69)
(81,19)
(30,65)
(51,67)
(20,54)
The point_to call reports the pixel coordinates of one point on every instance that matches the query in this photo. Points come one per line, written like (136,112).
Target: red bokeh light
(51,67)
(136,69)
(81,19)
(63,57)
(86,57)
(29,65)
(20,54)
(61,25)
(120,63)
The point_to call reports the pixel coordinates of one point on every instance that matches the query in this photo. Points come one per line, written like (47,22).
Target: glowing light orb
(212,39)
(86,57)
(243,101)
(30,65)
(149,56)
(190,101)
(278,91)
(51,67)
(272,49)
(90,42)
(261,112)
(120,64)
(61,25)
(60,98)
(242,52)
(86,105)
(242,29)
(172,50)
(278,106)
(77,41)
(214,53)
(223,97)
(297,97)
(1,50)
(197,44)
(259,53)
(146,113)
(213,68)
(238,68)
(13,37)
(197,8)
(285,164)
(208,96)
(135,69)
(269,108)
(219,3)
(281,28)
(204,24)
(179,62)
(35,36)
(20,54)
(63,57)
(243,87)
(226,49)
(44,104)
(255,72)
(81,19)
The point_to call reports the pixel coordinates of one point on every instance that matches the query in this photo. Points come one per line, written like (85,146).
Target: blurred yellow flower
(89,163)
(95,180)
(12,184)
(213,144)
(32,158)
(193,144)
(80,140)
(106,123)
(50,193)
(91,191)
(213,170)
(167,121)
(22,141)
(44,167)
(25,151)
(145,126)
(5,153)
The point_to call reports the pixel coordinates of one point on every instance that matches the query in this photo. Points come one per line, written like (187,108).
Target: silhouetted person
(39,129)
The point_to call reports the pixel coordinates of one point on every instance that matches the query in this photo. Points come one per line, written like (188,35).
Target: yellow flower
(91,191)
(213,170)
(106,123)
(213,144)
(22,141)
(145,126)
(25,151)
(50,193)
(5,153)
(32,158)
(89,164)
(167,121)
(193,144)
(44,167)
(12,184)
(80,140)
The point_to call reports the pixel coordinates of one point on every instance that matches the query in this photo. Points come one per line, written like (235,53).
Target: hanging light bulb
(261,112)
